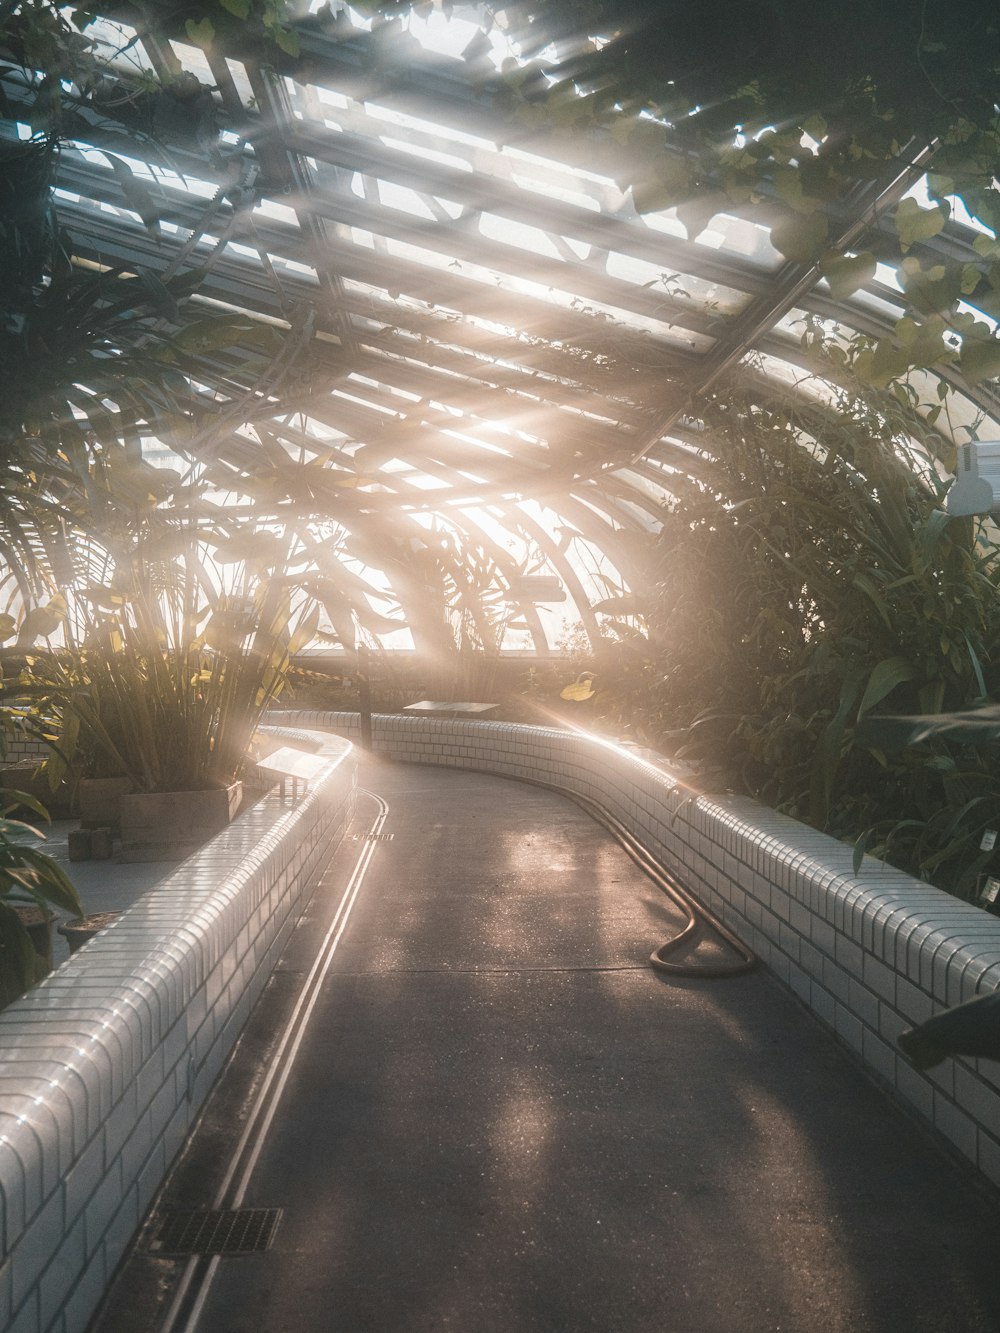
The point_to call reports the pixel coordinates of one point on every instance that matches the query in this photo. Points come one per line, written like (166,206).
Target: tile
(823,1004)
(33,1150)
(789,942)
(955,1125)
(849,1028)
(978,1099)
(916,1088)
(6,1282)
(85,1083)
(863,1003)
(835,980)
(988,1157)
(103,1206)
(120,1123)
(913,1003)
(61,1272)
(121,1228)
(879,1056)
(849,956)
(800,982)
(26,1318)
(35,1246)
(891,1023)
(879,978)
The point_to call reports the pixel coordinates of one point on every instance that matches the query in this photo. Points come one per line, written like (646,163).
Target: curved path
(501,1120)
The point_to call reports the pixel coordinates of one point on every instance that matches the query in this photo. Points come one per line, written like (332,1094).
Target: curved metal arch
(564,568)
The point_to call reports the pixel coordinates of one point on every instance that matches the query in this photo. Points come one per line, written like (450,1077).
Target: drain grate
(215,1231)
(373,837)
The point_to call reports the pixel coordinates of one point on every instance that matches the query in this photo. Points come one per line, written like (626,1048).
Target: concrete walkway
(501,1120)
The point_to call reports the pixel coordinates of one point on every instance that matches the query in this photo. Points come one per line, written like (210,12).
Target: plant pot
(99,799)
(79,929)
(169,825)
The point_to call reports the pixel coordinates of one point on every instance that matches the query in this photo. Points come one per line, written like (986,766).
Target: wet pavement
(500,1119)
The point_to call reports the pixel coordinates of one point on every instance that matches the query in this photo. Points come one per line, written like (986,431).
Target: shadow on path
(502,1120)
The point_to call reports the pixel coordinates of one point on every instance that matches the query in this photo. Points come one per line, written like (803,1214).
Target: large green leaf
(667,184)
(980,360)
(847,273)
(211,333)
(974,726)
(801,237)
(201,32)
(883,680)
(914,223)
(138,193)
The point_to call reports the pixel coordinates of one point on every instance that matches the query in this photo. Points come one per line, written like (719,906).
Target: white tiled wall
(21,750)
(105,1064)
(870,954)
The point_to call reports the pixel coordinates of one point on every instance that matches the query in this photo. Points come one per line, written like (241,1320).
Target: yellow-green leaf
(882,364)
(801,238)
(581,689)
(932,289)
(970,278)
(665,185)
(980,360)
(846,273)
(914,223)
(907,330)
(288,40)
(213,332)
(259,549)
(39,623)
(889,673)
(201,33)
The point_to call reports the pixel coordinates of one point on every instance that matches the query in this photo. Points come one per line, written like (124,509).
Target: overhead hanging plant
(810,580)
(90,352)
(789,114)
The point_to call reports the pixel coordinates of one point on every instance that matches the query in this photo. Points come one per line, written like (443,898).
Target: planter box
(99,799)
(169,825)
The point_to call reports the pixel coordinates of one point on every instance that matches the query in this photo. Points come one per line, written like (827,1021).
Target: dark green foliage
(27,878)
(810,579)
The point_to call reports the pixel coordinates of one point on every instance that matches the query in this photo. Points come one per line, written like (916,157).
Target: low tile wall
(105,1065)
(22,750)
(870,954)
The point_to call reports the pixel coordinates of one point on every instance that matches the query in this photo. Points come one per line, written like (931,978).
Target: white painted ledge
(105,1065)
(870,954)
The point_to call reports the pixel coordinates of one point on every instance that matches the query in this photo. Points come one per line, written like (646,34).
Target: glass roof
(485,333)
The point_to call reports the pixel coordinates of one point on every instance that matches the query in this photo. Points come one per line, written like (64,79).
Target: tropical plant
(950,841)
(94,357)
(808,580)
(171,675)
(28,878)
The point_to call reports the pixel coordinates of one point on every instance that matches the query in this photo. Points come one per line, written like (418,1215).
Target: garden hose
(698,915)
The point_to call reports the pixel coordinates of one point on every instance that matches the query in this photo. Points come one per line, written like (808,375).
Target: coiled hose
(698,915)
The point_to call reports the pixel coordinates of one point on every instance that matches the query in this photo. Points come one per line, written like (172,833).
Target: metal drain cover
(215,1231)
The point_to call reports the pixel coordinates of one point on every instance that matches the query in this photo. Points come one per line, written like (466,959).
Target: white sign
(289,763)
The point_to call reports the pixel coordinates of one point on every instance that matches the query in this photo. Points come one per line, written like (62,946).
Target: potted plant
(30,884)
(166,688)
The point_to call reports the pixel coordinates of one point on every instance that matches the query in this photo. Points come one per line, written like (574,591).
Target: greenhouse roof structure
(478,332)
